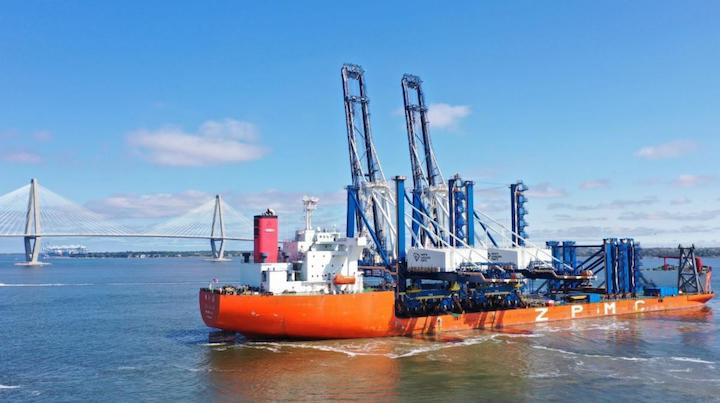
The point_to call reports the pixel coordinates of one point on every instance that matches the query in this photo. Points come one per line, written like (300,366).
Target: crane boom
(429,192)
(364,162)
(366,171)
(416,112)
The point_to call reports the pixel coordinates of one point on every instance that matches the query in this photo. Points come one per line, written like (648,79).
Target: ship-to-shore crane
(370,188)
(429,194)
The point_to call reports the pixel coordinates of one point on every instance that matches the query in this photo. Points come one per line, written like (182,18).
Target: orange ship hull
(372,314)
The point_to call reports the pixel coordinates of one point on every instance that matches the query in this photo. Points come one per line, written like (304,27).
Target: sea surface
(130,330)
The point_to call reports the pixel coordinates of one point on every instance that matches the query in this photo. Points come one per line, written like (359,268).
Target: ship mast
(310,206)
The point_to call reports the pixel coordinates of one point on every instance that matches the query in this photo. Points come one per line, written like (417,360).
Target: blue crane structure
(369,194)
(518,213)
(429,195)
(439,213)
(442,215)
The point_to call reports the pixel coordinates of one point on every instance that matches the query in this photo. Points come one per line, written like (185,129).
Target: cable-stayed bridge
(33,212)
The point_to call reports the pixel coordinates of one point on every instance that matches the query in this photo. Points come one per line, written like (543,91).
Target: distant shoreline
(661,252)
(135,255)
(646,252)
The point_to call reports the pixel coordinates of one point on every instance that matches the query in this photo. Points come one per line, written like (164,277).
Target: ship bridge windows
(326,247)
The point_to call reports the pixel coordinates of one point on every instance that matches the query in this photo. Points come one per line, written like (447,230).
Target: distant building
(64,250)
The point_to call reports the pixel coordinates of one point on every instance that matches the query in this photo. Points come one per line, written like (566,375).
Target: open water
(130,330)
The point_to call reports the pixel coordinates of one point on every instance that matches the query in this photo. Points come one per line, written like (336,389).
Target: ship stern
(210,307)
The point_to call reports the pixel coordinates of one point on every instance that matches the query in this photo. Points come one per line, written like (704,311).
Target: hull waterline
(372,314)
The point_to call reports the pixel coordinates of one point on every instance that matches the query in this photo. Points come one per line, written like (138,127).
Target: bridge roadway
(91,235)
(67,213)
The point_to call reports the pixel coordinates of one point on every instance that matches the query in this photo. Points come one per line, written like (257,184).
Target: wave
(9,386)
(46,285)
(203,368)
(691,359)
(713,380)
(572,353)
(623,358)
(600,324)
(376,348)
(277,347)
(545,375)
(157,283)
(99,285)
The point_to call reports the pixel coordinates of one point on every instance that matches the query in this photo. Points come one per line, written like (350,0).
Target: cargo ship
(447,275)
(313,288)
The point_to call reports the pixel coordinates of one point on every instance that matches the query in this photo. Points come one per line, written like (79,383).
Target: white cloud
(153,205)
(289,207)
(595,184)
(680,201)
(446,116)
(495,192)
(22,157)
(282,201)
(574,218)
(647,235)
(215,143)
(545,191)
(493,206)
(595,233)
(613,205)
(703,215)
(693,180)
(160,207)
(672,149)
(229,128)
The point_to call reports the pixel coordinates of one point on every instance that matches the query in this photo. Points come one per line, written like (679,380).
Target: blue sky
(608,110)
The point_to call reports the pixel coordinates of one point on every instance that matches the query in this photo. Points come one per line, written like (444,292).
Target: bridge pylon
(33,227)
(217,233)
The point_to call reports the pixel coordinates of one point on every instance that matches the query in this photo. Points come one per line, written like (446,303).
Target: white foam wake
(611,357)
(623,358)
(379,348)
(691,359)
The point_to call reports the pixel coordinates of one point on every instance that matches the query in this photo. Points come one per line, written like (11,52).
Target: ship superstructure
(317,261)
